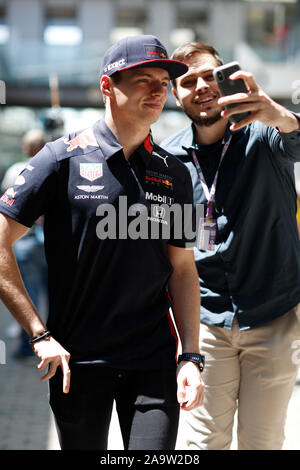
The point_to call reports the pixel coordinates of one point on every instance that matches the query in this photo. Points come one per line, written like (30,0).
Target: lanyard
(210,196)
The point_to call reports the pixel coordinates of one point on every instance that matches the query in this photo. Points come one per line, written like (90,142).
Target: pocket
(157,389)
(293,322)
(67,407)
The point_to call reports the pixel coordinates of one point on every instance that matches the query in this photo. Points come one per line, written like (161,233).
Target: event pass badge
(206,238)
(207,232)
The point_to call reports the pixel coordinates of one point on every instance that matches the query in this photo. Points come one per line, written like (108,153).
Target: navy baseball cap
(140,51)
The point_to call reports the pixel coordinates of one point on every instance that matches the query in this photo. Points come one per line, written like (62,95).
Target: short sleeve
(33,190)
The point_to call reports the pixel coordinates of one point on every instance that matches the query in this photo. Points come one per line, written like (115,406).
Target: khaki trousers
(252,372)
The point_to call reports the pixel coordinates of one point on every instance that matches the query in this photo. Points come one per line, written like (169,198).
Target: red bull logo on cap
(155,52)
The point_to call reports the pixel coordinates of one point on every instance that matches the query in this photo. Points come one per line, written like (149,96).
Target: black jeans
(146,403)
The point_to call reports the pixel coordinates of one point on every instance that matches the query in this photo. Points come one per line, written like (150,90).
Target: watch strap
(198,359)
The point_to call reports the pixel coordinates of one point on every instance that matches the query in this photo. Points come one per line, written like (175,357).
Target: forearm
(287,121)
(259,106)
(185,292)
(17,300)
(14,294)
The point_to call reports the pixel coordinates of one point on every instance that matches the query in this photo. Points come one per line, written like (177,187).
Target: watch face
(198,359)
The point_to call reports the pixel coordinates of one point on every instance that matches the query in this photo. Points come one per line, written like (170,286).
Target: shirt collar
(106,139)
(190,137)
(145,149)
(110,145)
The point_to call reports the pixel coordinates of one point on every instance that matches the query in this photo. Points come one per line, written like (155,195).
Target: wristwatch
(198,359)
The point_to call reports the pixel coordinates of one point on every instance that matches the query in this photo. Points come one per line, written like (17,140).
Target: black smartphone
(230,87)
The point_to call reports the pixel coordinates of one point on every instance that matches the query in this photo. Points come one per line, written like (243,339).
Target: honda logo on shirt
(91,171)
(159,212)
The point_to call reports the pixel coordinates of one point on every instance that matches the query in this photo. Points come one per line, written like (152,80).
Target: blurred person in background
(29,250)
(250,275)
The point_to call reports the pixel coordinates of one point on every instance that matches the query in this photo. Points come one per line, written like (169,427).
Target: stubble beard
(204,121)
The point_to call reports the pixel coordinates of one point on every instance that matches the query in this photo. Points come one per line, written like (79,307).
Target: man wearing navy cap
(116,264)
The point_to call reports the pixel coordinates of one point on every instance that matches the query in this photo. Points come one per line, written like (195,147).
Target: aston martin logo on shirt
(90,189)
(91,171)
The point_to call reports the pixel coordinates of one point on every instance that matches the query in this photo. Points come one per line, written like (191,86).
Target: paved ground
(25,418)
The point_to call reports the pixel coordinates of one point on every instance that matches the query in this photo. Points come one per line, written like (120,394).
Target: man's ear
(176,96)
(105,85)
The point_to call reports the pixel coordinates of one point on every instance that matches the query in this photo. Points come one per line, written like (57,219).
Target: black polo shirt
(109,300)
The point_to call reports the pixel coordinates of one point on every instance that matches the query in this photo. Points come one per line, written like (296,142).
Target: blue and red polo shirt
(109,298)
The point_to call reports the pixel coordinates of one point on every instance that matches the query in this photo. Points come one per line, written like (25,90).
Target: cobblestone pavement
(26,422)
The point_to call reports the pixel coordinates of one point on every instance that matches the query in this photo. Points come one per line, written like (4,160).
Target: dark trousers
(146,403)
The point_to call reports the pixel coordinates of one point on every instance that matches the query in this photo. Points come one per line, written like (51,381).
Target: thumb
(181,391)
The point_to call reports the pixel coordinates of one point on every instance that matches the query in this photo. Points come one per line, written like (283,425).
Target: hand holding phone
(230,87)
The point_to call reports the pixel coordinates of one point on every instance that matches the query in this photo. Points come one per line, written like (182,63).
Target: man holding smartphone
(247,255)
